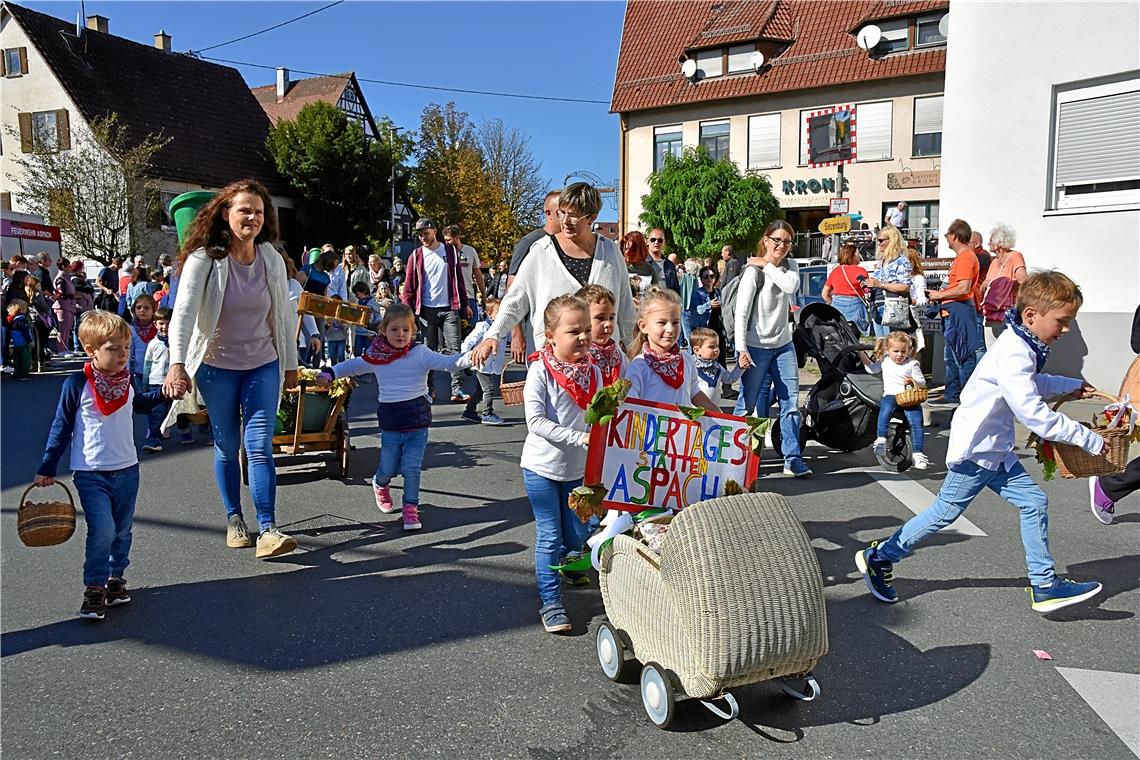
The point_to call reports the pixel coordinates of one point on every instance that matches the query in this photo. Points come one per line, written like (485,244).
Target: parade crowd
(218,328)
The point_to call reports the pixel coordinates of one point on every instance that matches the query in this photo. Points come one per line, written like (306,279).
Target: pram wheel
(657,695)
(897,457)
(778,437)
(611,653)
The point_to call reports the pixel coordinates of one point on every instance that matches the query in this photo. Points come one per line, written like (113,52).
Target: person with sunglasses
(667,270)
(893,274)
(764,344)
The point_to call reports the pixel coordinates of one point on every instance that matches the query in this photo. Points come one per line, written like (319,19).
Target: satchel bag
(896,310)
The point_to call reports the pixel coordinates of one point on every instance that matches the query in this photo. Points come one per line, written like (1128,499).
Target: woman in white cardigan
(560,264)
(232,339)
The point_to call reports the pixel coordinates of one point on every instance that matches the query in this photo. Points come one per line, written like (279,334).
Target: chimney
(282,82)
(162,41)
(98,23)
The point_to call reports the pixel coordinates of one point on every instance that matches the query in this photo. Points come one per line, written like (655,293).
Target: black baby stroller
(842,409)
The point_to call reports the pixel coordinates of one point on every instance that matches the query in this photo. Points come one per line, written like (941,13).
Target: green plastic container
(185,207)
(317,408)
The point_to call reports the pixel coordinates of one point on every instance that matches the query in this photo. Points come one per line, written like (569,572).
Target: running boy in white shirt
(1007,384)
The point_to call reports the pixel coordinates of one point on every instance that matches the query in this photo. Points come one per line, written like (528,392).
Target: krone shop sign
(903,180)
(813,186)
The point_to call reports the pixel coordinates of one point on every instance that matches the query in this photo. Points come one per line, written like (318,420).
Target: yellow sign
(836,225)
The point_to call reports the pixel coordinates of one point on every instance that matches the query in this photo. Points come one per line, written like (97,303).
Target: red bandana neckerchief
(576,378)
(608,359)
(146,333)
(111,391)
(669,367)
(380,351)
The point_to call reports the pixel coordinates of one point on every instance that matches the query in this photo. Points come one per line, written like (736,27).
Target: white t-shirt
(469,261)
(648,385)
(897,217)
(435,278)
(158,361)
(895,375)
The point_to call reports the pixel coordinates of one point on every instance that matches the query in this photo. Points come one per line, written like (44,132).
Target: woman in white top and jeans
(764,339)
(232,336)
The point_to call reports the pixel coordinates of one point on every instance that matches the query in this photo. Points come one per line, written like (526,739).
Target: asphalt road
(371,643)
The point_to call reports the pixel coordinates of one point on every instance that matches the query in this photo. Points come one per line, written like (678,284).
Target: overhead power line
(271,28)
(390,83)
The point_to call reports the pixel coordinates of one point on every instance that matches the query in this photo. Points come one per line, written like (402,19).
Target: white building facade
(1044,135)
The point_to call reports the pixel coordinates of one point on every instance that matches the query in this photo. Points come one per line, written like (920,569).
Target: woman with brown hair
(844,289)
(636,253)
(232,338)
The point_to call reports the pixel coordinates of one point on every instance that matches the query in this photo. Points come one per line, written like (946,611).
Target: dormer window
(710,63)
(896,35)
(909,33)
(740,58)
(926,31)
(732,59)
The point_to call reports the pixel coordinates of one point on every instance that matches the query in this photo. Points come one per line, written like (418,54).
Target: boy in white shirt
(489,375)
(156,362)
(711,374)
(1007,384)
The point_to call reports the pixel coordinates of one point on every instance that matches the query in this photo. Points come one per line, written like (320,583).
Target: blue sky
(563,49)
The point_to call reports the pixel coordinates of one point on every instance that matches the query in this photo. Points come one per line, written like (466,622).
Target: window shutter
(802,137)
(927,115)
(3,63)
(23,60)
(764,141)
(1097,140)
(26,143)
(873,125)
(5,201)
(62,130)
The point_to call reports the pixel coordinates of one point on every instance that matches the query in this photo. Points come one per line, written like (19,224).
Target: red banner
(29,231)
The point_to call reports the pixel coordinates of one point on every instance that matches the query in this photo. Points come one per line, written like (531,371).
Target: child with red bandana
(604,350)
(401,367)
(143,331)
(658,369)
(560,383)
(94,416)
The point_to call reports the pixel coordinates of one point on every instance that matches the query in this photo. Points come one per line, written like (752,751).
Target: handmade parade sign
(661,455)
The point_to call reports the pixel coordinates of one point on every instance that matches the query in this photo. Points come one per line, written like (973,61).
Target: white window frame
(779,140)
(914,125)
(1057,200)
(740,58)
(861,133)
(9,70)
(727,134)
(703,57)
(934,19)
(671,129)
(891,29)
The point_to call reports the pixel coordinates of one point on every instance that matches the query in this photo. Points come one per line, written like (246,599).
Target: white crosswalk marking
(916,498)
(1114,696)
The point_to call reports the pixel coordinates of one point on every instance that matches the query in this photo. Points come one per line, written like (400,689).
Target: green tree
(99,193)
(342,176)
(704,204)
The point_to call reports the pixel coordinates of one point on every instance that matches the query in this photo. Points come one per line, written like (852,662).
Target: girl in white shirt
(894,358)
(559,386)
(402,369)
(604,350)
(658,370)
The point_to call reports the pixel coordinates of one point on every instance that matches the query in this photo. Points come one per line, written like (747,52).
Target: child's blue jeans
(964,481)
(557,529)
(336,351)
(108,501)
(913,415)
(232,396)
(360,344)
(402,453)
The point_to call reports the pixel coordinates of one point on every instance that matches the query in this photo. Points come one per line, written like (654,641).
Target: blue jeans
(402,453)
(853,310)
(108,500)
(232,396)
(557,530)
(686,326)
(964,481)
(957,373)
(778,365)
(337,350)
(360,344)
(913,415)
(155,417)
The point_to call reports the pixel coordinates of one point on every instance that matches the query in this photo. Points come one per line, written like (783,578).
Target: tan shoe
(274,543)
(237,535)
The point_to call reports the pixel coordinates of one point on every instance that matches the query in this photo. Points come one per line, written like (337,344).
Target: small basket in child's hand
(1075,462)
(912,396)
(48,523)
(512,393)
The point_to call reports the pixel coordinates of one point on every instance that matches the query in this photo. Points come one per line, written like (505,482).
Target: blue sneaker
(185,438)
(152,445)
(796,467)
(1062,593)
(554,618)
(878,573)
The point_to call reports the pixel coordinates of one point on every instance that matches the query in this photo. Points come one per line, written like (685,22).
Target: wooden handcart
(303,439)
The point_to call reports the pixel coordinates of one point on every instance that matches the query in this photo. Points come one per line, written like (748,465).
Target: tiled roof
(216,128)
(885,9)
(823,52)
(301,93)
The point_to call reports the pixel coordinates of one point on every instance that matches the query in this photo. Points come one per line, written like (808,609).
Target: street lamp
(392,130)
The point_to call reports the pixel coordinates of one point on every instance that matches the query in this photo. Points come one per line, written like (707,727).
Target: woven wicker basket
(200,417)
(512,393)
(1075,462)
(913,396)
(47,524)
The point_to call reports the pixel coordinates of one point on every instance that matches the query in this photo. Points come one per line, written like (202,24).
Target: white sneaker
(879,446)
(920,461)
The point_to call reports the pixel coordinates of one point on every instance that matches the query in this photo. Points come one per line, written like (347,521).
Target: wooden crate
(334,309)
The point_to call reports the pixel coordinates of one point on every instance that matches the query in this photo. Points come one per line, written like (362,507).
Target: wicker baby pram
(735,597)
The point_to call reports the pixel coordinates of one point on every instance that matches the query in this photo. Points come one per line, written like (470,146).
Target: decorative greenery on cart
(319,403)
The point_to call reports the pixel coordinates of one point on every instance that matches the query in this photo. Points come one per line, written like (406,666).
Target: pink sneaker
(383,499)
(411,517)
